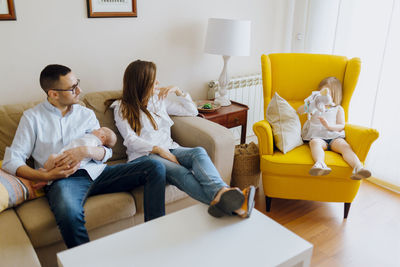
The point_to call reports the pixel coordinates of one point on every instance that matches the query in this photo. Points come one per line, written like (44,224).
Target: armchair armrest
(263,131)
(217,140)
(360,139)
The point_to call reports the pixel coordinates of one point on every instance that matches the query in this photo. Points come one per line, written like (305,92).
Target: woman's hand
(164,91)
(165,154)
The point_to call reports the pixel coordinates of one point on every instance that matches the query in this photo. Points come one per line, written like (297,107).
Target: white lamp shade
(228,37)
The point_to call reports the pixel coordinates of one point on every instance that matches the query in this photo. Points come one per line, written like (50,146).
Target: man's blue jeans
(196,175)
(67,196)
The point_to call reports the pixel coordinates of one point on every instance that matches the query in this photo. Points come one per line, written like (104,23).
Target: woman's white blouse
(160,110)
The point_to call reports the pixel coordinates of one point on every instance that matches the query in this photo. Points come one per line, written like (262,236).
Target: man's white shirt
(43,131)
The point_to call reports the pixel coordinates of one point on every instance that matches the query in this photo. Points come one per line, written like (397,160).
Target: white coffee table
(191,237)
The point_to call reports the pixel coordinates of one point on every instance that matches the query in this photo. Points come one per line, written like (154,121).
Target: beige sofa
(28,233)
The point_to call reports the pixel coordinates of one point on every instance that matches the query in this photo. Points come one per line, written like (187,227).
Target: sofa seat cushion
(172,194)
(40,224)
(298,162)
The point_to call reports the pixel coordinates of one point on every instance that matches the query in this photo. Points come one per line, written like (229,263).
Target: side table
(230,116)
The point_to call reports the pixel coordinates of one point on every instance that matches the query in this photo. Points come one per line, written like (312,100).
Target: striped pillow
(15,190)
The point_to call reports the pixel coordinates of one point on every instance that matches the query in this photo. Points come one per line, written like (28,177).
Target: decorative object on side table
(111,8)
(207,106)
(230,116)
(228,38)
(7,10)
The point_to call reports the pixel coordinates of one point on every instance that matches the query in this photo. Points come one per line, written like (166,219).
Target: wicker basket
(246,166)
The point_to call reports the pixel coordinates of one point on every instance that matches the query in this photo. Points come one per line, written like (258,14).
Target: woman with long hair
(142,117)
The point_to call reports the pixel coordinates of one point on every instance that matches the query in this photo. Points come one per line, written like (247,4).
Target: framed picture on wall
(111,8)
(7,10)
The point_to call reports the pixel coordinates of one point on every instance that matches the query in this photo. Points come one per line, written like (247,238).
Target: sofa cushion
(39,222)
(298,162)
(9,118)
(285,124)
(15,190)
(95,101)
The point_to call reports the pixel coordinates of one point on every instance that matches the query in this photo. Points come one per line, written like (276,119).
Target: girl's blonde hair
(335,86)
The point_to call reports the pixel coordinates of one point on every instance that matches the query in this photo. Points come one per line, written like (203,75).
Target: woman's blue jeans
(196,175)
(67,196)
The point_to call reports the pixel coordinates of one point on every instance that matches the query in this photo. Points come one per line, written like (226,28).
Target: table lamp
(227,37)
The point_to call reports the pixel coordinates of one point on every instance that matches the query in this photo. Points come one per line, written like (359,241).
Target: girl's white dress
(313,128)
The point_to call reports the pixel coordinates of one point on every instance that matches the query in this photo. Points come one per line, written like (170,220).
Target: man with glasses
(48,127)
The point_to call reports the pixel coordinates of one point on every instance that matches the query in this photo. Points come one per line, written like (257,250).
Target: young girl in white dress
(142,117)
(325,131)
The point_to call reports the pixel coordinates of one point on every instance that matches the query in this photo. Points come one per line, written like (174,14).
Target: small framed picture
(111,8)
(7,10)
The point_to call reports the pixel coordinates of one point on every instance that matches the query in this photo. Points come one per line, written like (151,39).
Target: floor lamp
(227,37)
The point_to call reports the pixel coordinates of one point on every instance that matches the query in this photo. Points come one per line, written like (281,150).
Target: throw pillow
(285,123)
(15,190)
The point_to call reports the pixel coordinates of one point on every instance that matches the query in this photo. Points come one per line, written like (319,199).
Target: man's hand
(164,91)
(71,157)
(59,172)
(38,185)
(165,154)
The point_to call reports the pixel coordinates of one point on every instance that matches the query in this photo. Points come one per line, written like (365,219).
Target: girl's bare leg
(318,147)
(340,145)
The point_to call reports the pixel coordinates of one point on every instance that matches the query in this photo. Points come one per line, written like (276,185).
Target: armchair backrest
(294,76)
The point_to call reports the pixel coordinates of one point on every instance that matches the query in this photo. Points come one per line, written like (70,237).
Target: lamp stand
(223,83)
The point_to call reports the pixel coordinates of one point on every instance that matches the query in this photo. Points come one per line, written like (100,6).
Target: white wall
(370,30)
(170,33)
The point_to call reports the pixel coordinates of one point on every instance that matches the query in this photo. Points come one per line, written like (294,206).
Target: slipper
(230,201)
(319,169)
(360,174)
(249,202)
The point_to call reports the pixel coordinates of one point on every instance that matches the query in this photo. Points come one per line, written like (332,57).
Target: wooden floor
(370,236)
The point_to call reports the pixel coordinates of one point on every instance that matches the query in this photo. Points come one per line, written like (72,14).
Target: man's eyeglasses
(72,89)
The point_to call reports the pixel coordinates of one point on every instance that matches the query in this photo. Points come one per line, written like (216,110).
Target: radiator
(246,90)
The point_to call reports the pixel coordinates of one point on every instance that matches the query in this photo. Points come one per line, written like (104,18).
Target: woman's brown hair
(139,78)
(335,86)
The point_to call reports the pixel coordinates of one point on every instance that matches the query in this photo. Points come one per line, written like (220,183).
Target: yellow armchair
(294,77)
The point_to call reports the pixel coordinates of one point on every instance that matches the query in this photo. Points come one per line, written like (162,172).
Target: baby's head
(106,135)
(335,88)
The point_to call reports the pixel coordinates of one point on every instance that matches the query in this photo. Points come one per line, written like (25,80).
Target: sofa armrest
(217,140)
(360,139)
(15,247)
(263,131)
